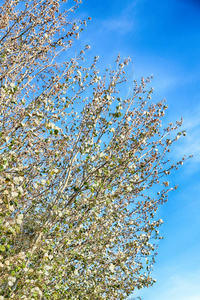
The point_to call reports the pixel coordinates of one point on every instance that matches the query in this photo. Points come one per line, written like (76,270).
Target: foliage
(77,164)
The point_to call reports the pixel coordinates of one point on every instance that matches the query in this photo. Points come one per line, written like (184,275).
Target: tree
(77,164)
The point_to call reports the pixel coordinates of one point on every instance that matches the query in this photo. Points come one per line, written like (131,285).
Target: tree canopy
(82,168)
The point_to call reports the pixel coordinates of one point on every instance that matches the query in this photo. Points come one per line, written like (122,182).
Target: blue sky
(163,39)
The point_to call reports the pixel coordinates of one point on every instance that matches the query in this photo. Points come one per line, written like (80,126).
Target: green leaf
(2,248)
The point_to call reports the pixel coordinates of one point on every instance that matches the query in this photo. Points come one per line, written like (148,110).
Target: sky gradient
(163,39)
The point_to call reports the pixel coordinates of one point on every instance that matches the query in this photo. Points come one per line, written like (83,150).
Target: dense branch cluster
(82,170)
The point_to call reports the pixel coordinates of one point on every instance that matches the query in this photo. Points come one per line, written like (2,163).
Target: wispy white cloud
(121,25)
(191,144)
(185,288)
(123,22)
(182,285)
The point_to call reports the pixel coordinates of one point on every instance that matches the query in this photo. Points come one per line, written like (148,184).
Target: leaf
(2,248)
